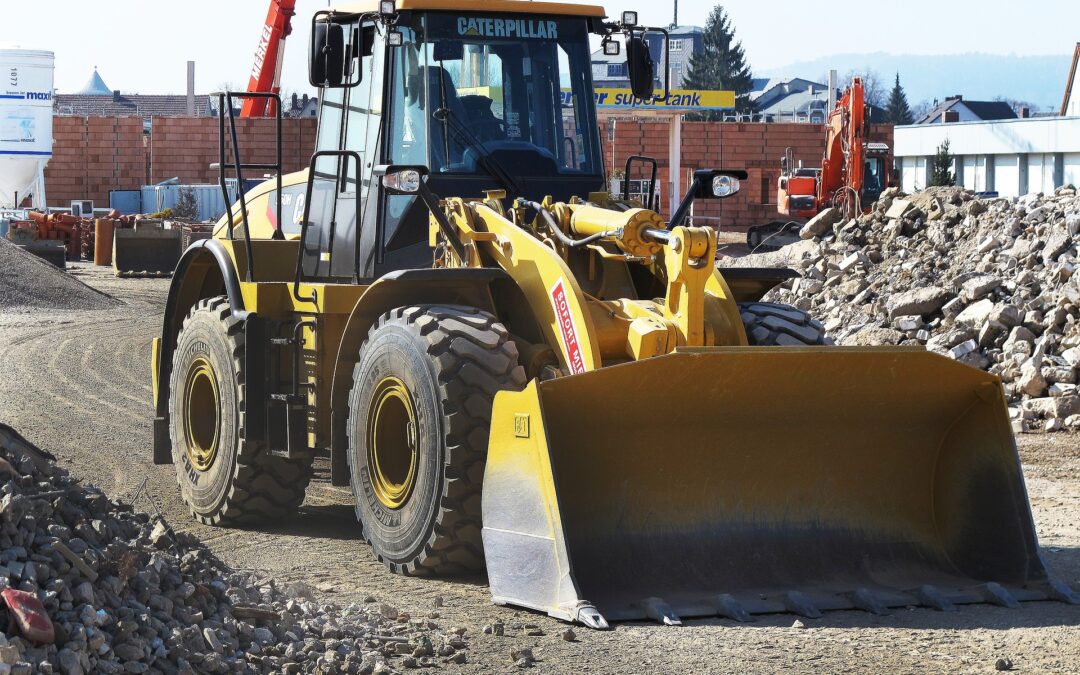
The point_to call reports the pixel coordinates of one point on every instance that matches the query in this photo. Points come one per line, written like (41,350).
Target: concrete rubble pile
(989,282)
(91,586)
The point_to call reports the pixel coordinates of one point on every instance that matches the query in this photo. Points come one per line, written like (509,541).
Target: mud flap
(735,481)
(145,251)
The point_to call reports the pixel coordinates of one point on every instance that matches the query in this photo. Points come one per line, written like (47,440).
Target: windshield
(477,91)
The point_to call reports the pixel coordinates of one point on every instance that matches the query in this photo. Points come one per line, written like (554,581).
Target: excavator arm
(266,70)
(843,166)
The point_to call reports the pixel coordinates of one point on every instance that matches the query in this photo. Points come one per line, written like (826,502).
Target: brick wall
(93,155)
(752,146)
(187,146)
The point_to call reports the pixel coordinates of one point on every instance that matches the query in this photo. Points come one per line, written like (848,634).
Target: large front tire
(776,325)
(419,418)
(223,479)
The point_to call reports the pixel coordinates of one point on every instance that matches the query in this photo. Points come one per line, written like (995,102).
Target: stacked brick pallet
(92,155)
(187,146)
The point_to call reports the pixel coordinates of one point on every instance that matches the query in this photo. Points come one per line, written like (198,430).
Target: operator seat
(485,125)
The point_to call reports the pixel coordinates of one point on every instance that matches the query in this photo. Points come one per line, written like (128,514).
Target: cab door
(336,247)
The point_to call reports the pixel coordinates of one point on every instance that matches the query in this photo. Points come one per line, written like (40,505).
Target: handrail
(342,167)
(225,103)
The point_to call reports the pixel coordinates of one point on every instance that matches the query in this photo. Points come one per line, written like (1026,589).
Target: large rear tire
(223,479)
(774,324)
(419,418)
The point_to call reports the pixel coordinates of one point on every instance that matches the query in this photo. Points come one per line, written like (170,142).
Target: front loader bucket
(735,481)
(145,251)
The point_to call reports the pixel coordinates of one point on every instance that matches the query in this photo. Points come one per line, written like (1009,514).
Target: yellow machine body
(656,465)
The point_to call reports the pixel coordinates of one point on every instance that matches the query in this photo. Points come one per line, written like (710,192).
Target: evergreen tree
(721,65)
(187,207)
(941,166)
(897,111)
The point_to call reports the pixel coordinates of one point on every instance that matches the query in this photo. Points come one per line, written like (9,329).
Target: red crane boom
(266,71)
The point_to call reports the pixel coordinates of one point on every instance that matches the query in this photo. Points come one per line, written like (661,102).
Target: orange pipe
(103,239)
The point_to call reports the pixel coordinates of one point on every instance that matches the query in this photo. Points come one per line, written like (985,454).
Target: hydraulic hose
(562,236)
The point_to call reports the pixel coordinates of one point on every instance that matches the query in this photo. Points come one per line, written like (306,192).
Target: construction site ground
(78,384)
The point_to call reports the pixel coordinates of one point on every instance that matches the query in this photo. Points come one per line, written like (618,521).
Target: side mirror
(717,184)
(639,65)
(326,65)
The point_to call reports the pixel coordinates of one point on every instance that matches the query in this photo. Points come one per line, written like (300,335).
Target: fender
(204,270)
(456,286)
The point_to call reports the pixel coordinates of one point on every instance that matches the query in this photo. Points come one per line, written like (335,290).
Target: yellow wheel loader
(517,372)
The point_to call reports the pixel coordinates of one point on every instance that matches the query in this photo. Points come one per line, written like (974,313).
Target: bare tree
(1017,104)
(920,109)
(874,92)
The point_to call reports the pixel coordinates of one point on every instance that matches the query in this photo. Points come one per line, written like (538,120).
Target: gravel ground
(28,283)
(78,384)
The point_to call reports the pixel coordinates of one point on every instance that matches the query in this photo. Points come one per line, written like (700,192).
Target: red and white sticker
(567,327)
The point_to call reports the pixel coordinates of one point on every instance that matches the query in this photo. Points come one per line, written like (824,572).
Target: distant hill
(982,77)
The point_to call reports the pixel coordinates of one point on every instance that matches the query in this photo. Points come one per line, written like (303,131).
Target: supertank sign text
(523,29)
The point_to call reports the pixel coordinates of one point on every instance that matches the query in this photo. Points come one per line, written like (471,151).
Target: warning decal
(567,327)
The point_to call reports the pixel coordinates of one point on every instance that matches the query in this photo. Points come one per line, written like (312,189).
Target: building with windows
(790,99)
(956,109)
(1010,157)
(993,149)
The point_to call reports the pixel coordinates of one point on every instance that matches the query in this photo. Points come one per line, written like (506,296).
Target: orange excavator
(266,71)
(852,175)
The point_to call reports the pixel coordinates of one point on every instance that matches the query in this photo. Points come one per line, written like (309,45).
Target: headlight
(724,186)
(407,181)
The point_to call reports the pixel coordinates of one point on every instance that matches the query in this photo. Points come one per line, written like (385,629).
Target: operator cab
(875,174)
(484,100)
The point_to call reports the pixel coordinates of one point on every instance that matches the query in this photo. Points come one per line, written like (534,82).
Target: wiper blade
(484,157)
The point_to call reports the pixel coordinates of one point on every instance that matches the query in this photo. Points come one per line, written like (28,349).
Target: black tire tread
(775,324)
(263,487)
(474,357)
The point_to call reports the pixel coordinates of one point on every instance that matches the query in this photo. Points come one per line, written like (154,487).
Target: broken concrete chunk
(1031,380)
(921,301)
(974,316)
(820,224)
(898,208)
(978,287)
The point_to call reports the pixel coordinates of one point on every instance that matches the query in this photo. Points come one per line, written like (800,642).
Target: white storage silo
(26,108)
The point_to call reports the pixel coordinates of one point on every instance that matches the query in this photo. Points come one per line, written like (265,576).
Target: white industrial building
(1010,157)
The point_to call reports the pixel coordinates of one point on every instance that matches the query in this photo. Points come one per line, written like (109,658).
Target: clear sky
(141,46)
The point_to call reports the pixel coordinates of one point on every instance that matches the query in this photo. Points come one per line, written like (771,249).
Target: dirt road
(79,385)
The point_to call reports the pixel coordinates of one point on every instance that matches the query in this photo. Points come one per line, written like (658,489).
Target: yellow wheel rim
(391,443)
(202,414)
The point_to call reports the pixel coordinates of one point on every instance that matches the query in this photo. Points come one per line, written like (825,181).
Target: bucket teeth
(658,610)
(798,603)
(867,601)
(727,606)
(931,597)
(996,594)
(591,617)
(1061,591)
